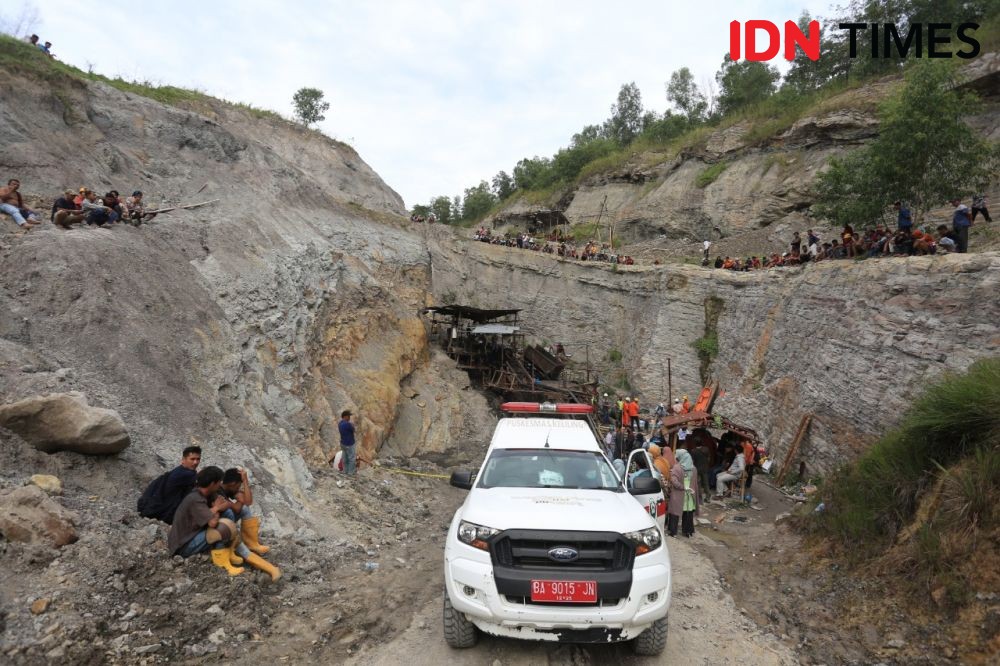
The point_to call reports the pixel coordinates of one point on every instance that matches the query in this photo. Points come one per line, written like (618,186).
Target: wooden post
(670,388)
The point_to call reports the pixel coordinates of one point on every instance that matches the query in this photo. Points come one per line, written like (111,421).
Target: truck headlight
(645,540)
(475,535)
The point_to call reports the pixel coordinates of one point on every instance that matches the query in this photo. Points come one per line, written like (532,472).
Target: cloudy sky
(435,95)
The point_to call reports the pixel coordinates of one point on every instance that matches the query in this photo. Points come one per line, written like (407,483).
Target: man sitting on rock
(236,491)
(197,526)
(165,493)
(65,211)
(12,203)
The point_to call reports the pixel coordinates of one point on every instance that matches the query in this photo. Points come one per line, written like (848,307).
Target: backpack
(150,503)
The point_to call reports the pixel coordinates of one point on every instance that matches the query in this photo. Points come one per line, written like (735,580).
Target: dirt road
(705,628)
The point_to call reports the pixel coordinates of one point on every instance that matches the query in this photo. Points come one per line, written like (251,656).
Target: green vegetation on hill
(924,501)
(906,161)
(634,138)
(21,58)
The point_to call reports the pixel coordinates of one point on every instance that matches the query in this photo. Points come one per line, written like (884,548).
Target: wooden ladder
(793,449)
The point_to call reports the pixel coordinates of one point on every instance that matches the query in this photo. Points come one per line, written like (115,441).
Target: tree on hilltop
(925,153)
(684,94)
(310,106)
(626,118)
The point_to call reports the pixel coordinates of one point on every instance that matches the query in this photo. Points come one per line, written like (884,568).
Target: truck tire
(652,641)
(458,631)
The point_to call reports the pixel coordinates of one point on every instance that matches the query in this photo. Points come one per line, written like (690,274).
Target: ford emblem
(563,554)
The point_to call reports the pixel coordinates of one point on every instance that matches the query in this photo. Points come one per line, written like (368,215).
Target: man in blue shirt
(347,442)
(960,222)
(904,218)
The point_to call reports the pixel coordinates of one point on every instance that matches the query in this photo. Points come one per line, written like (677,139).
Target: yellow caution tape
(412,473)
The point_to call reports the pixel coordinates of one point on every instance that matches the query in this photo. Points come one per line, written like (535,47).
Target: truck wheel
(458,631)
(652,641)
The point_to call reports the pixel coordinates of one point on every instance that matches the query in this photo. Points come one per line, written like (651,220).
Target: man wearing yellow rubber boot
(236,491)
(197,526)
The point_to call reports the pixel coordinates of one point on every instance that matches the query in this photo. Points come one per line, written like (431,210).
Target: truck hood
(555,509)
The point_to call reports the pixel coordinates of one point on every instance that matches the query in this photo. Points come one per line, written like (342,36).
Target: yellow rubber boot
(250,528)
(258,562)
(220,558)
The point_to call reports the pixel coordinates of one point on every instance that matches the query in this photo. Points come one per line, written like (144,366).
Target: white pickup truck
(550,544)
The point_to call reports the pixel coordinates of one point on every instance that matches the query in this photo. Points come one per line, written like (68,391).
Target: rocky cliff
(850,343)
(246,326)
(761,182)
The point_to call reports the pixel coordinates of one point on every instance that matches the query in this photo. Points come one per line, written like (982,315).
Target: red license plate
(565,591)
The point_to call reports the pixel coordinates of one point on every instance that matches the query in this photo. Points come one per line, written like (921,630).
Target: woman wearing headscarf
(684,497)
(692,498)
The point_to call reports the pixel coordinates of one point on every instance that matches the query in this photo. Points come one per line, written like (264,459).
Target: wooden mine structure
(489,345)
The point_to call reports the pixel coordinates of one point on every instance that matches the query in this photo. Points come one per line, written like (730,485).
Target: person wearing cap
(347,443)
(65,211)
(676,407)
(685,406)
(136,209)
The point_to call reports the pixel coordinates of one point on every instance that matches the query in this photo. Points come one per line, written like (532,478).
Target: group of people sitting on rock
(76,207)
(562,247)
(203,508)
(879,241)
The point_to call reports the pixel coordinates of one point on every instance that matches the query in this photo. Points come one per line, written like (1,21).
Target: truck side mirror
(644,485)
(461,478)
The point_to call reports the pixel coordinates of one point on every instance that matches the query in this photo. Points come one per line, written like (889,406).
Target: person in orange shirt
(626,413)
(685,406)
(661,464)
(633,413)
(750,456)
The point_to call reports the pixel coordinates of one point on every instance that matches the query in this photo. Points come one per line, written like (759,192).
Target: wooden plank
(794,449)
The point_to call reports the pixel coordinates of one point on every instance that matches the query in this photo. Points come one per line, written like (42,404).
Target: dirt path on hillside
(705,628)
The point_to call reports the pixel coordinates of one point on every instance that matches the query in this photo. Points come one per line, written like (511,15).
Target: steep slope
(744,185)
(247,325)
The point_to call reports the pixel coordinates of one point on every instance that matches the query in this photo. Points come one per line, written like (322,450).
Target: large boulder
(65,422)
(28,515)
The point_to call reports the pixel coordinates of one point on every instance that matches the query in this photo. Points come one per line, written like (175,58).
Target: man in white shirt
(734,473)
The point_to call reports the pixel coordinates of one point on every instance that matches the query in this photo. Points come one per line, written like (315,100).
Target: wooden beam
(794,449)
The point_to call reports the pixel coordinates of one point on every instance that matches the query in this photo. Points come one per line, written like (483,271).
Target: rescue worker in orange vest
(685,406)
(626,412)
(633,413)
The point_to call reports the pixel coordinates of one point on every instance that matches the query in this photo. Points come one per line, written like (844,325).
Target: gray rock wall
(851,343)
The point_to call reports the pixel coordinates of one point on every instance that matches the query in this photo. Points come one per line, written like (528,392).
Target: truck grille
(597,551)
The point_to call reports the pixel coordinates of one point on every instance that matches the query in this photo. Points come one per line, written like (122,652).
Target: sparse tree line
(742,85)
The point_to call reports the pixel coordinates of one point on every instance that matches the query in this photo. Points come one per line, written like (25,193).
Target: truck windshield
(545,468)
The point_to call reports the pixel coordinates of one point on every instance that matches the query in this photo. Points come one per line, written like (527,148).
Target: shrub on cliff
(922,506)
(924,154)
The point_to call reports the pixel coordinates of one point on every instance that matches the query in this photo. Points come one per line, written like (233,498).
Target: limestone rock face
(28,515)
(65,422)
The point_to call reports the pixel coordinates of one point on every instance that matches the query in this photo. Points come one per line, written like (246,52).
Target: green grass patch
(19,57)
(614,355)
(958,418)
(709,174)
(584,232)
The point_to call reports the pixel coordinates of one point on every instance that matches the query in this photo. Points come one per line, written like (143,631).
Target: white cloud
(435,96)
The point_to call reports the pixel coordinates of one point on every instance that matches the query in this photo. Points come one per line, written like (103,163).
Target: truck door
(640,463)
